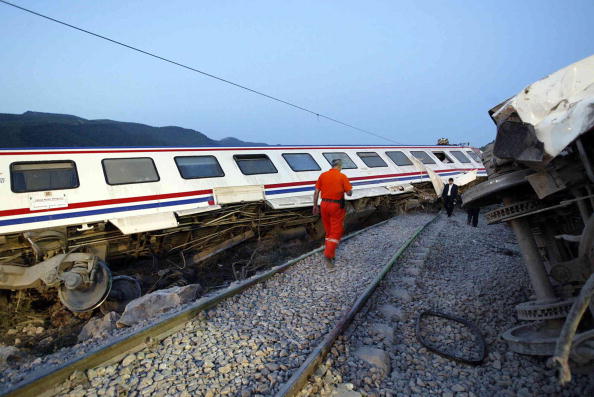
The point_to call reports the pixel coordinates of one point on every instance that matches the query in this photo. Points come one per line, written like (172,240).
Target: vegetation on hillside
(35,129)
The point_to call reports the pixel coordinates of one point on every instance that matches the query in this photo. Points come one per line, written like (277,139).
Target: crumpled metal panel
(518,141)
(435,179)
(490,191)
(145,223)
(465,178)
(539,122)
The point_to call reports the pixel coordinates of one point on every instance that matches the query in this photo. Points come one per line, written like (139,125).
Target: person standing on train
(449,194)
(333,185)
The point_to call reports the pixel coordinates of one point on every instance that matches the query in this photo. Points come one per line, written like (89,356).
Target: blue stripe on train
(52,217)
(376,181)
(291,190)
(372,182)
(402,178)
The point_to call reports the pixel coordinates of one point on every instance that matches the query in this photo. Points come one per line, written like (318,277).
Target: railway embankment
(472,273)
(256,342)
(250,343)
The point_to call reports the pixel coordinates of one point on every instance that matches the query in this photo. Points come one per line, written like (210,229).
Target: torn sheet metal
(435,179)
(418,165)
(235,194)
(145,223)
(539,122)
(465,178)
(437,182)
(400,188)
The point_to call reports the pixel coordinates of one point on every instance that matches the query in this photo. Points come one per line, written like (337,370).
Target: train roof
(116,149)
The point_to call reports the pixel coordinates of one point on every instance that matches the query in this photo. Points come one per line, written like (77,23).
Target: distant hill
(36,129)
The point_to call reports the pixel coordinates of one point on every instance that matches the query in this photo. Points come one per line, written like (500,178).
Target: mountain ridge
(40,129)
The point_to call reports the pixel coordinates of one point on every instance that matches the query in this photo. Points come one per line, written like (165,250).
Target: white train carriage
(65,212)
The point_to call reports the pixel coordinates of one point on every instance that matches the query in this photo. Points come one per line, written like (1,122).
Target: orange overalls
(333,184)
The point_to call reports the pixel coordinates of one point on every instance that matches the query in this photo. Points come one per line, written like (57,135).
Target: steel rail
(294,385)
(45,381)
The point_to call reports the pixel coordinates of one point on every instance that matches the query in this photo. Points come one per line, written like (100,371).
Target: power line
(199,71)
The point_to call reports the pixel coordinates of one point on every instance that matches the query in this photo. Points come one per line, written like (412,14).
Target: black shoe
(329,263)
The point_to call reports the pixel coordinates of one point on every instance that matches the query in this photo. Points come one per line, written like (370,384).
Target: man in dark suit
(449,194)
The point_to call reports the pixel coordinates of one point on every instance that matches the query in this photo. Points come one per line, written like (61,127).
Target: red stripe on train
(148,150)
(22,211)
(359,178)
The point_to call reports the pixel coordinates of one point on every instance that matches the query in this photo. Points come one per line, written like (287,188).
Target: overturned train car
(67,214)
(541,169)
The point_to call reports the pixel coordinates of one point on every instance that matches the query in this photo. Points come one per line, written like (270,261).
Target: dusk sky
(412,71)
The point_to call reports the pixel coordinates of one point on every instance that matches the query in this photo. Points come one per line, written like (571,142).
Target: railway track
(269,341)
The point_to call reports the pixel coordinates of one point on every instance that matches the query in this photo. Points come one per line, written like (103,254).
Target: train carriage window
(194,167)
(399,158)
(372,159)
(460,156)
(347,163)
(253,164)
(43,175)
(444,158)
(129,170)
(423,156)
(474,156)
(301,162)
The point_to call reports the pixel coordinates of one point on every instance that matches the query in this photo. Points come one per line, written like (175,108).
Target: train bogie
(541,170)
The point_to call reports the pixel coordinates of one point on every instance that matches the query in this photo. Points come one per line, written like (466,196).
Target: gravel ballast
(474,273)
(251,343)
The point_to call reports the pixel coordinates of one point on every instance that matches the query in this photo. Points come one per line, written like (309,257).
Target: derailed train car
(67,214)
(541,167)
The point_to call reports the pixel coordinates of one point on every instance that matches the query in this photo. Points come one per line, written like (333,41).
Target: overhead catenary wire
(243,87)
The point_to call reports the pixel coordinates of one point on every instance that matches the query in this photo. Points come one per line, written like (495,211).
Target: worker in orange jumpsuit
(333,185)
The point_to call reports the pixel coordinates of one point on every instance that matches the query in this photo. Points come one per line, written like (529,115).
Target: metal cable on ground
(199,71)
(471,326)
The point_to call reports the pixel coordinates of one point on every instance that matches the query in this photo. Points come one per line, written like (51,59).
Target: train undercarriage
(95,265)
(541,173)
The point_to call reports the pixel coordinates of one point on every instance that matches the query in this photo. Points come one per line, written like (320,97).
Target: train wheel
(90,296)
(123,290)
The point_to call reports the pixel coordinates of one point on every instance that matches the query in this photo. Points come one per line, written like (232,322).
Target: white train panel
(141,189)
